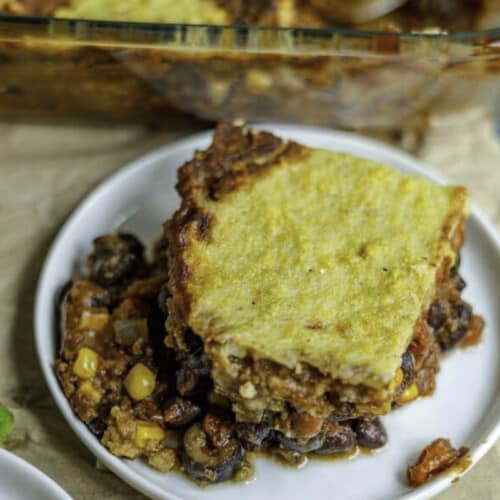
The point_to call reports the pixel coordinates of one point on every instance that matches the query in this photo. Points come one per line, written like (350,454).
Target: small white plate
(465,407)
(21,481)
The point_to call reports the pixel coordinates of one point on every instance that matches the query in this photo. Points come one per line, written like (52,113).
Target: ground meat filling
(435,458)
(143,399)
(111,342)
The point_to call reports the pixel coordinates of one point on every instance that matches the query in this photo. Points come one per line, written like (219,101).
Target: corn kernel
(86,363)
(247,390)
(90,391)
(397,380)
(409,395)
(140,382)
(146,431)
(93,321)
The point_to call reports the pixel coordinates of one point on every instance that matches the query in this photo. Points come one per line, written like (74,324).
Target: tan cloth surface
(44,172)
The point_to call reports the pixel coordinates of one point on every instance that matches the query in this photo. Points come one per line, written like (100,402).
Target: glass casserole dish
(341,77)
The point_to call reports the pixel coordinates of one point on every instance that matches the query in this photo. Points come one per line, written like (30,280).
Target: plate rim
(119,466)
(33,471)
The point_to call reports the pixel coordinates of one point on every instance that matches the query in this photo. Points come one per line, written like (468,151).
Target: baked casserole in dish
(357,65)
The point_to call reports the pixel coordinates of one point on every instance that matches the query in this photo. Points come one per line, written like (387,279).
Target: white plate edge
(41,476)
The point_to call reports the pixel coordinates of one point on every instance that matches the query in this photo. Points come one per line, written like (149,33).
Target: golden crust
(463,15)
(239,12)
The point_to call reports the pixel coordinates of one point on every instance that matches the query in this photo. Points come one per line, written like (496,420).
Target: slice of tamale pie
(307,274)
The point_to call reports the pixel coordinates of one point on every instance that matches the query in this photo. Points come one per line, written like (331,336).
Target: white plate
(21,481)
(465,407)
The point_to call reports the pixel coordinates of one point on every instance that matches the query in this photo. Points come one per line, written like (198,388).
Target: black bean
(207,464)
(164,357)
(133,243)
(339,438)
(436,316)
(462,313)
(186,381)
(452,338)
(179,412)
(408,365)
(457,328)
(115,259)
(370,432)
(449,337)
(313,444)
(200,365)
(253,435)
(194,344)
(97,426)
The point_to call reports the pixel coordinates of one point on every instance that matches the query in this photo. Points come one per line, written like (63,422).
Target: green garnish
(6,422)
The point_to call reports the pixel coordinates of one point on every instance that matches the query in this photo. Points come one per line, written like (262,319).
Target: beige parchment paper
(46,170)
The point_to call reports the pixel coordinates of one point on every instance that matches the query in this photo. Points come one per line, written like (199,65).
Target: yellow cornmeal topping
(326,260)
(167,11)
(170,11)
